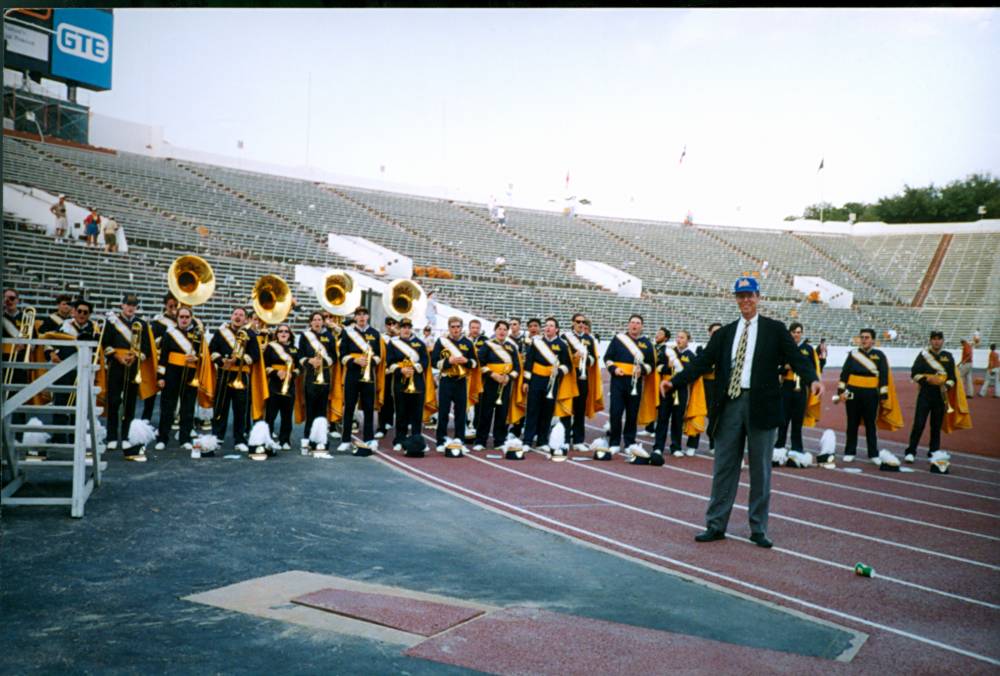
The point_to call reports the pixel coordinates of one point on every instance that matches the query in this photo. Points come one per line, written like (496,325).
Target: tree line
(976,197)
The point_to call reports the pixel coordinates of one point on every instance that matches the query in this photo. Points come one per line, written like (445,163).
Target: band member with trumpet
(182,349)
(631,361)
(454,356)
(316,358)
(477,339)
(500,364)
(79,327)
(17,323)
(159,325)
(941,395)
(130,355)
(281,362)
(587,373)
(409,366)
(387,412)
(361,353)
(799,407)
(545,366)
(523,341)
(233,353)
(866,385)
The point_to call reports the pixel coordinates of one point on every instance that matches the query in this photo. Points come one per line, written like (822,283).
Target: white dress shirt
(751,344)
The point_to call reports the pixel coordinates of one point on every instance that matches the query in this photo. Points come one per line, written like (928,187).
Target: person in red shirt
(965,368)
(992,373)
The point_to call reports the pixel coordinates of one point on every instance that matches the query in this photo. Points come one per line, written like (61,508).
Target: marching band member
(79,327)
(500,363)
(161,322)
(315,357)
(454,356)
(387,412)
(670,412)
(282,366)
(631,360)
(545,366)
(335,410)
(477,339)
(182,347)
(232,379)
(55,321)
(361,353)
(866,384)
(941,394)
(798,405)
(587,373)
(660,341)
(128,349)
(409,366)
(12,321)
(709,387)
(523,341)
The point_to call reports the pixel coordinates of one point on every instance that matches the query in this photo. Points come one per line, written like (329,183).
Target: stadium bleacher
(248,224)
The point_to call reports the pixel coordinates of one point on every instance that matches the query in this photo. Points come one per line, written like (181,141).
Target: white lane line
(848,487)
(790,552)
(888,443)
(697,570)
(796,520)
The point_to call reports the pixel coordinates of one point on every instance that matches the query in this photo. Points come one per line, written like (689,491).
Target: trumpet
(411,387)
(846,396)
(366,375)
(320,380)
(636,370)
(136,349)
(947,402)
(551,391)
(238,351)
(456,370)
(289,365)
(798,383)
(24,329)
(196,339)
(499,401)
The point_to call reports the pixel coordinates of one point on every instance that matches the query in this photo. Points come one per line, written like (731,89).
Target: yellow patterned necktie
(741,353)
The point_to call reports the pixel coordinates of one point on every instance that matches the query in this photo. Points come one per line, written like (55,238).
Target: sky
(484,99)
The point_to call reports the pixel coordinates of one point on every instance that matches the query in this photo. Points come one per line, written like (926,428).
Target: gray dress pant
(732,434)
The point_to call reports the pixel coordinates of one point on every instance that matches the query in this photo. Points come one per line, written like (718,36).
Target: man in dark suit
(746,407)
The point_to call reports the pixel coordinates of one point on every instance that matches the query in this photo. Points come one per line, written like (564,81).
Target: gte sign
(80,42)
(82,47)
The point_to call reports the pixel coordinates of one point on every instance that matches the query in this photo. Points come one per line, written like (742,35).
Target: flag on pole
(683,153)
(822,159)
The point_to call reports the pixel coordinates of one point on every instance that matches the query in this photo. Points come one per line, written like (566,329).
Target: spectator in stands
(501,216)
(110,234)
(59,211)
(893,334)
(992,373)
(92,227)
(821,353)
(977,337)
(501,263)
(965,368)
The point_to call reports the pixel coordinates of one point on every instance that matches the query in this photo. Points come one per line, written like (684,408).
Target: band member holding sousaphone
(182,350)
(500,363)
(454,356)
(362,355)
(130,354)
(546,363)
(631,360)
(281,362)
(409,367)
(587,374)
(315,358)
(233,353)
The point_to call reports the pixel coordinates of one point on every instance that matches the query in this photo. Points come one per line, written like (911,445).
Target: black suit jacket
(774,349)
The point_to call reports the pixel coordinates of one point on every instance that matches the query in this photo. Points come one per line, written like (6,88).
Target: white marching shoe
(344,447)
(159,446)
(242,448)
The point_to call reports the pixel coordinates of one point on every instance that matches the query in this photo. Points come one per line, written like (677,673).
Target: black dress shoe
(710,535)
(761,540)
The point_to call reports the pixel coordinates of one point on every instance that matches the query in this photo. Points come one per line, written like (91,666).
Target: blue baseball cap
(746,285)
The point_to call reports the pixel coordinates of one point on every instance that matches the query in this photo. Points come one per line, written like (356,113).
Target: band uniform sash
(869,365)
(412,358)
(628,368)
(279,350)
(542,370)
(357,339)
(181,340)
(177,359)
(542,347)
(317,346)
(866,382)
(228,336)
(932,362)
(453,351)
(120,327)
(630,345)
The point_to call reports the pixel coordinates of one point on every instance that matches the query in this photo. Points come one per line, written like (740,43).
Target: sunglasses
(83,312)
(284,331)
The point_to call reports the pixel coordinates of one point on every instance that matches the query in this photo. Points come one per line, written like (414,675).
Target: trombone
(136,350)
(24,330)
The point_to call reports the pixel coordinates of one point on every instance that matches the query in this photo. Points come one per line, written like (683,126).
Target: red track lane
(874,496)
(956,623)
(918,567)
(789,513)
